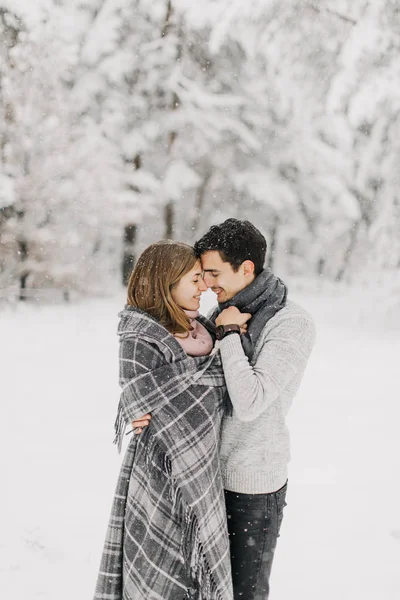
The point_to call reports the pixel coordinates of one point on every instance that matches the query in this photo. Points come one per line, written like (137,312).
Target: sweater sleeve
(285,352)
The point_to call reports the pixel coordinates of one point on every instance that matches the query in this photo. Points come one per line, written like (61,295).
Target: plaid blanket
(167,535)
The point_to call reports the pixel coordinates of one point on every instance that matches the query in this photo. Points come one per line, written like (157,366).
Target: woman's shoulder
(144,330)
(134,320)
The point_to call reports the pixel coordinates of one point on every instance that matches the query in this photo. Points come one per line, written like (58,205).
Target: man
(263,369)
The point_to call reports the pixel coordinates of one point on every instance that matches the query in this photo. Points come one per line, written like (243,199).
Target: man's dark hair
(236,241)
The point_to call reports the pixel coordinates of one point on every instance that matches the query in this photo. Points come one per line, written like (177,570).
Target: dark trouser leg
(254,521)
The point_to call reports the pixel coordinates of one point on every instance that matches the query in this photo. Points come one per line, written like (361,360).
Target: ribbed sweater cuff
(231,345)
(245,482)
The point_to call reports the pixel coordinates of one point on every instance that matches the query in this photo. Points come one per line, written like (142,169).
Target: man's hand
(233,316)
(140,423)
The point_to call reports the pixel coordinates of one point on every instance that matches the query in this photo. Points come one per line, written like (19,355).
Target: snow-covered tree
(137,119)
(60,231)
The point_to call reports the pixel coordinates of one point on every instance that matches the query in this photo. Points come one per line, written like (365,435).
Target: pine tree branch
(334,13)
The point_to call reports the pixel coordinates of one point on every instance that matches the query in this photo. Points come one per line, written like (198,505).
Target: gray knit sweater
(255,448)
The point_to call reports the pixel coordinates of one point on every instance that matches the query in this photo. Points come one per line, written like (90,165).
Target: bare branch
(334,13)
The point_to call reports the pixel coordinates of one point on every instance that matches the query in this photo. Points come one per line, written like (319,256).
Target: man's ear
(248,268)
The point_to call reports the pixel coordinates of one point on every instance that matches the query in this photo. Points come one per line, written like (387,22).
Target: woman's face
(188,290)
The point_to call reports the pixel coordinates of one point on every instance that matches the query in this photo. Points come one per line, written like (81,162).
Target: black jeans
(254,521)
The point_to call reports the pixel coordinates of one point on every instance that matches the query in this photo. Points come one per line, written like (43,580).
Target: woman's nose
(206,279)
(202,285)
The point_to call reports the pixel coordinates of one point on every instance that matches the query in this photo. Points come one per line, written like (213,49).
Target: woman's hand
(233,316)
(140,423)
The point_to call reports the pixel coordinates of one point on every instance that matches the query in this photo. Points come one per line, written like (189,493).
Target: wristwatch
(224,330)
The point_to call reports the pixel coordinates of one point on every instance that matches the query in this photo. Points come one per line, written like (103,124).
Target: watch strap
(230,333)
(225,330)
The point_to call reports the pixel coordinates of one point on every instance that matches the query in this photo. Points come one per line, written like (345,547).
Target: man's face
(221,278)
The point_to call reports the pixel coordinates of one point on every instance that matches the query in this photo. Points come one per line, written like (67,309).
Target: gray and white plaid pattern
(167,535)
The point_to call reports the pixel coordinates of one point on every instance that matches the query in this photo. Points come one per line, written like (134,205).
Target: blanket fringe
(119,428)
(204,587)
(203,583)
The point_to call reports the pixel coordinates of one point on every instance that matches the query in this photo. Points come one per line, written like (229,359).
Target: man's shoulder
(291,317)
(292,310)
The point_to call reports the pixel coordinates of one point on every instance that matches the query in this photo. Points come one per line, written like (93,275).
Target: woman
(167,536)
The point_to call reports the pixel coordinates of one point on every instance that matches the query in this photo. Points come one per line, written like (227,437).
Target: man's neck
(243,288)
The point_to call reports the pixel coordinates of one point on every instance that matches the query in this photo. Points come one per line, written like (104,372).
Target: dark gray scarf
(263,298)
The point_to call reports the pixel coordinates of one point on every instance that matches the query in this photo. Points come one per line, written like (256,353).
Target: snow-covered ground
(341,533)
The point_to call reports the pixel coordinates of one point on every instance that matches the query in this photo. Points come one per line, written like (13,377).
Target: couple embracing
(201,492)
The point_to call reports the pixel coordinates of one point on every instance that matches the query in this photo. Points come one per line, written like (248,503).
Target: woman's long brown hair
(158,269)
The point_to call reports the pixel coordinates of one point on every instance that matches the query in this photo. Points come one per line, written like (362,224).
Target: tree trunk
(349,251)
(321,266)
(169,217)
(199,203)
(23,255)
(130,232)
(169,208)
(167,21)
(272,243)
(128,260)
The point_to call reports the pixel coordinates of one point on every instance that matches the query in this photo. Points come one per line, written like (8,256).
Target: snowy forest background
(125,121)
